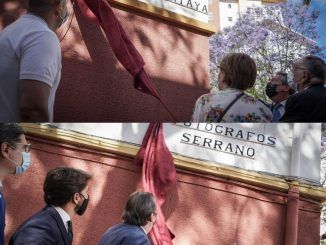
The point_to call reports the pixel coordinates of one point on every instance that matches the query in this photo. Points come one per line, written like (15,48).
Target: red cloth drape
(158,177)
(125,51)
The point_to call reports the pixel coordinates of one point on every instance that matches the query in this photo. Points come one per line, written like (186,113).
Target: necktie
(276,113)
(70,234)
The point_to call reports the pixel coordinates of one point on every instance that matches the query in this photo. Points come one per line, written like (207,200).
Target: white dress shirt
(64,216)
(143,229)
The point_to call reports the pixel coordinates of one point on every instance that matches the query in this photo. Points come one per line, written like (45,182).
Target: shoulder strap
(229,106)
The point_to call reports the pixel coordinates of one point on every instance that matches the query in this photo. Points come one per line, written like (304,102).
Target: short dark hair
(10,132)
(139,208)
(285,77)
(315,66)
(240,70)
(62,183)
(39,6)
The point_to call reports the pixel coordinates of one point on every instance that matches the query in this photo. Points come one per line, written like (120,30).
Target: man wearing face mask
(139,217)
(278,90)
(14,159)
(30,62)
(65,195)
(308,105)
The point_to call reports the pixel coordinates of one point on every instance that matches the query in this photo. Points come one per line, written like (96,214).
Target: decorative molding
(127,149)
(178,19)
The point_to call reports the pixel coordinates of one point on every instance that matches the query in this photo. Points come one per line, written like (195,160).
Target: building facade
(216,200)
(230,10)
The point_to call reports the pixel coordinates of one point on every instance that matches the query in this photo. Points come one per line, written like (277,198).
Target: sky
(321,22)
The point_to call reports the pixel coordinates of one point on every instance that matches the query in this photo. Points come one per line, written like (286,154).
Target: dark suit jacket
(43,228)
(124,234)
(306,106)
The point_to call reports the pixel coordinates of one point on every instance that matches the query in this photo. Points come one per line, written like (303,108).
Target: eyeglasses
(27,147)
(301,68)
(82,195)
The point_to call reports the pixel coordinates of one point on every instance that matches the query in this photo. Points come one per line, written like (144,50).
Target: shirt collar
(63,214)
(227,90)
(143,229)
(283,103)
(35,17)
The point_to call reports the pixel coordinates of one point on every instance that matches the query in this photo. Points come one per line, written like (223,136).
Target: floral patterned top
(209,107)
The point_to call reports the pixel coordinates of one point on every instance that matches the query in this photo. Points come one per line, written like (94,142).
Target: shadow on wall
(104,89)
(95,86)
(108,95)
(219,212)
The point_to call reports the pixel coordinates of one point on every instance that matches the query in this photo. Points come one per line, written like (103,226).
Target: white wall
(228,9)
(237,7)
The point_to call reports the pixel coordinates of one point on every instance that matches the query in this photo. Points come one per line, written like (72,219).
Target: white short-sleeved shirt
(29,49)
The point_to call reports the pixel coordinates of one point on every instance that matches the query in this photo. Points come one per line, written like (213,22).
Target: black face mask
(80,210)
(271,90)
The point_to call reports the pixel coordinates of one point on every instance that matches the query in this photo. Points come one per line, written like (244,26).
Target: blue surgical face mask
(26,162)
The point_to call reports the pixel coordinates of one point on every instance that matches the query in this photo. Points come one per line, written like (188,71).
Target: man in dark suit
(65,193)
(278,90)
(14,159)
(308,105)
(139,217)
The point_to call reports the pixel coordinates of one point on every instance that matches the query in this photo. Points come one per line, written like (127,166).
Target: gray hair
(285,77)
(315,66)
(139,208)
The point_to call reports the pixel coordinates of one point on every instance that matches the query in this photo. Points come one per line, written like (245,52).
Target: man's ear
(286,88)
(5,149)
(152,218)
(306,76)
(222,76)
(75,198)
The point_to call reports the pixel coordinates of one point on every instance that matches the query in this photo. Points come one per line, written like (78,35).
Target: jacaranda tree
(274,36)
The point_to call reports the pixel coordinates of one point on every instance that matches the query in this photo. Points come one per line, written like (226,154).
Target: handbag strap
(229,106)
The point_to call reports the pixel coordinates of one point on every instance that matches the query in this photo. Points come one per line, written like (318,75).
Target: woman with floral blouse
(229,103)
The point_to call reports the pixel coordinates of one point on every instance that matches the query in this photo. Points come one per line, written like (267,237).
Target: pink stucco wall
(94,85)
(201,210)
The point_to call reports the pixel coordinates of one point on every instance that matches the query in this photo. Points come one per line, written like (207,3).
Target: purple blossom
(275,36)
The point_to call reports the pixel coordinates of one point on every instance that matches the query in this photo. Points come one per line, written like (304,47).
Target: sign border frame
(181,162)
(206,29)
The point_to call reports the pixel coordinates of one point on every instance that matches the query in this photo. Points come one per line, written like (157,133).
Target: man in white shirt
(278,90)
(66,194)
(30,63)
